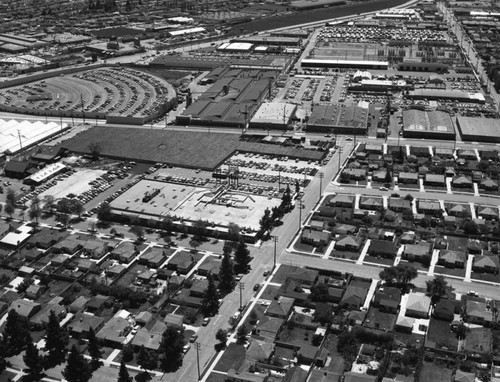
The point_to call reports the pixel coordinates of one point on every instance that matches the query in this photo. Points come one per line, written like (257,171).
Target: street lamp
(241,286)
(321,176)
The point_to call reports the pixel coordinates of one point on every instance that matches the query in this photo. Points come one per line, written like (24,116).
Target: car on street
(186,348)
(256,287)
(205,322)
(383,189)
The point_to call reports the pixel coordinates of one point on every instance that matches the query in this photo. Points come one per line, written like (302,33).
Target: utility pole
(241,286)
(279,180)
(301,205)
(197,346)
(275,238)
(340,153)
(321,176)
(83,109)
(20,142)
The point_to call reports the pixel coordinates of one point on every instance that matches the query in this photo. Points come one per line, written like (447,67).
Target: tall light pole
(197,346)
(275,238)
(321,176)
(241,286)
(340,153)
(300,212)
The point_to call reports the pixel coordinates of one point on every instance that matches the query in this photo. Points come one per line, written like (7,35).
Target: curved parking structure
(103,91)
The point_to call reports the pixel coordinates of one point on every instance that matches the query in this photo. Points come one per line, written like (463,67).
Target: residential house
(485,264)
(420,252)
(182,262)
(418,305)
(59,260)
(307,354)
(444,152)
(488,213)
(356,317)
(147,277)
(125,252)
(354,173)
(41,318)
(99,302)
(462,376)
(211,265)
(79,304)
(351,376)
(114,332)
(149,339)
(293,289)
(80,325)
(153,257)
(342,200)
(46,238)
(444,310)
(488,184)
(95,248)
(474,247)
(69,244)
(115,270)
(355,294)
(317,224)
(408,237)
(373,148)
(420,151)
(174,320)
(399,204)
(315,238)
(429,207)
(344,229)
(269,327)
(452,259)
(387,299)
(405,324)
(462,181)
(260,351)
(476,312)
(382,248)
(458,210)
(408,178)
(86,265)
(436,180)
(372,204)
(280,308)
(379,176)
(304,276)
(25,308)
(348,243)
(467,154)
(35,291)
(198,288)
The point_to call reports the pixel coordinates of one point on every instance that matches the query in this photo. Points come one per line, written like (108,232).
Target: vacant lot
(179,148)
(433,373)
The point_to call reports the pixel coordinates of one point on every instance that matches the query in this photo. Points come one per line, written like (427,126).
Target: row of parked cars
(44,187)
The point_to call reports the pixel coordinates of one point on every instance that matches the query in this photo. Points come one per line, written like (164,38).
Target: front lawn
(459,272)
(344,255)
(378,260)
(485,277)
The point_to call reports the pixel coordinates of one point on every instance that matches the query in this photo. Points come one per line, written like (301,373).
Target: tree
(48,203)
(94,351)
(200,231)
(170,350)
(56,341)
(33,361)
(95,150)
(242,258)
(3,356)
(9,208)
(266,222)
(123,375)
(137,231)
(210,299)
(221,336)
(143,376)
(437,288)
(77,369)
(461,331)
(297,187)
(399,274)
(104,212)
(241,334)
(286,199)
(24,285)
(34,211)
(127,353)
(11,196)
(63,219)
(194,243)
(146,359)
(226,275)
(15,333)
(234,231)
(319,292)
(470,228)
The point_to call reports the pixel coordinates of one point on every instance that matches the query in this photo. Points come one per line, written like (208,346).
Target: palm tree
(437,288)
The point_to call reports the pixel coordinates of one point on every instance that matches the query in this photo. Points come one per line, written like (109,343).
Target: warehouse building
(321,63)
(455,95)
(339,119)
(427,124)
(273,115)
(479,129)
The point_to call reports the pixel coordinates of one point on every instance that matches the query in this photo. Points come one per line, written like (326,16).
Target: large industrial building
(427,124)
(321,63)
(479,129)
(273,115)
(339,119)
(232,100)
(454,95)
